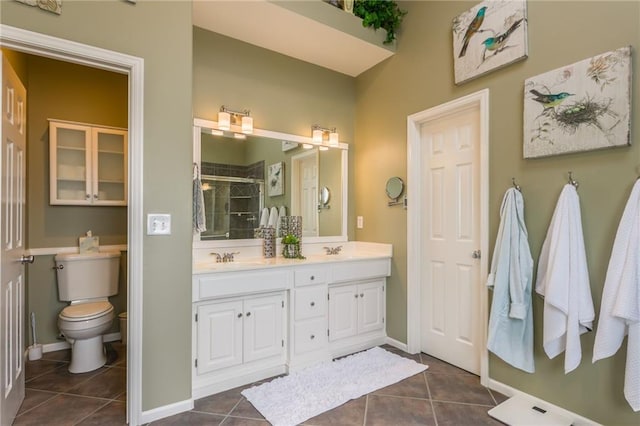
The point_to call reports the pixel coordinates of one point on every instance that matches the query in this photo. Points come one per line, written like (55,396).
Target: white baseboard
(507,390)
(60,346)
(165,411)
(397,344)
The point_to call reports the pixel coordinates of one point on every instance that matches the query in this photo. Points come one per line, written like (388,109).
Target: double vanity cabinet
(254,320)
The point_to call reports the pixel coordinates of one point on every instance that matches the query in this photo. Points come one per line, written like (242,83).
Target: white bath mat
(292,399)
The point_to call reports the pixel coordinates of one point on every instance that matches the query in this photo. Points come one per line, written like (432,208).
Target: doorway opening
(447,148)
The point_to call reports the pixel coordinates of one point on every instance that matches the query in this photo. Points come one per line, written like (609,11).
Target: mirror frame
(199,124)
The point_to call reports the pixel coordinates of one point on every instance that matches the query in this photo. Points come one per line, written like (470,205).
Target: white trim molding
(44,251)
(414,192)
(70,51)
(397,344)
(165,411)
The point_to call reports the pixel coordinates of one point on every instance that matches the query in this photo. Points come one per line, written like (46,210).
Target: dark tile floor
(442,395)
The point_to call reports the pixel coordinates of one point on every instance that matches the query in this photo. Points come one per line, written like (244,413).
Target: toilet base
(87,355)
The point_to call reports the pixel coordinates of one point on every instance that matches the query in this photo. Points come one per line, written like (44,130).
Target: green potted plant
(383,14)
(291,247)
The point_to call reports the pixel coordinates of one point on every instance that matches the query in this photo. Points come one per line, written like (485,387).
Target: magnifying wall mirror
(237,177)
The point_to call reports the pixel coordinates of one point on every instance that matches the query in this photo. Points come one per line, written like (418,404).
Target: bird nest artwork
(579,107)
(490,35)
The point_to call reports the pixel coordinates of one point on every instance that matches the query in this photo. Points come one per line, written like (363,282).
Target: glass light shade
(307,146)
(317,135)
(239,136)
(247,124)
(333,139)
(217,132)
(224,120)
(323,148)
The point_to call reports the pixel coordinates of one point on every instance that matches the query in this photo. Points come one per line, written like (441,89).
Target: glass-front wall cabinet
(88,164)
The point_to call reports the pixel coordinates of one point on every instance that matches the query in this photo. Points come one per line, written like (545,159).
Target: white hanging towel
(273,217)
(282,212)
(264,218)
(199,220)
(563,280)
(511,319)
(620,308)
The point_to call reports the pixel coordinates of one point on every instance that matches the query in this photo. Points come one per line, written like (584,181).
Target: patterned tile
(453,414)
(33,398)
(112,414)
(64,355)
(37,368)
(220,403)
(458,388)
(437,366)
(389,410)
(350,413)
(60,380)
(414,387)
(189,418)
(500,398)
(108,384)
(246,409)
(60,410)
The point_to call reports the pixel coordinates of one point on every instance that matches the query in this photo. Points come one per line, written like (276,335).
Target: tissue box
(89,244)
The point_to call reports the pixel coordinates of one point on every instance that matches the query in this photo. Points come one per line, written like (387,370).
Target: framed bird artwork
(275,182)
(579,107)
(489,36)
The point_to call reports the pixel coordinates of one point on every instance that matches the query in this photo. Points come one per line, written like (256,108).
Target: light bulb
(333,139)
(317,135)
(247,124)
(224,120)
(239,136)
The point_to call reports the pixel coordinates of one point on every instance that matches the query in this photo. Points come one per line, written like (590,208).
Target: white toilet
(87,280)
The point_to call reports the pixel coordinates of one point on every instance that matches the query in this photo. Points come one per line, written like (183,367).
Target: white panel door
(12,194)
(263,335)
(450,274)
(370,306)
(305,183)
(219,336)
(343,312)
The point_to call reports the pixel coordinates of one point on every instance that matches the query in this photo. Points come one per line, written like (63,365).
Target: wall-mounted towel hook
(515,185)
(571,181)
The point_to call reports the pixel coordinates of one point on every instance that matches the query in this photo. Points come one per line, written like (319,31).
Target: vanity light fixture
(239,136)
(307,146)
(324,135)
(217,132)
(227,117)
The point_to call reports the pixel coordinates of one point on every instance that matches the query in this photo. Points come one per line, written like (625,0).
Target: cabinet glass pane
(71,164)
(111,167)
(71,138)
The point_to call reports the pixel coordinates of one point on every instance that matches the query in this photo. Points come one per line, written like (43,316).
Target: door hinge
(196,362)
(283,303)
(383,320)
(327,332)
(196,317)
(327,296)
(283,343)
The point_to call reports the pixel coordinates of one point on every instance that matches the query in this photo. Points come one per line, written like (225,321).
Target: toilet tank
(87,275)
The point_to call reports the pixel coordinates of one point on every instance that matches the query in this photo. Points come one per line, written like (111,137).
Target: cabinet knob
(313,303)
(87,196)
(313,336)
(248,314)
(240,315)
(95,196)
(356,296)
(313,277)
(361,294)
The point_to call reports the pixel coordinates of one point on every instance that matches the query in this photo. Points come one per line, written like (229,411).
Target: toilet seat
(86,311)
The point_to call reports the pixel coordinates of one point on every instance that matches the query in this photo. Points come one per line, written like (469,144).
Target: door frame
(415,121)
(295,180)
(69,51)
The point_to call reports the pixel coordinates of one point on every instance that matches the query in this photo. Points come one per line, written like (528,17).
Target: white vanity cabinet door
(343,312)
(219,330)
(356,309)
(371,306)
(263,327)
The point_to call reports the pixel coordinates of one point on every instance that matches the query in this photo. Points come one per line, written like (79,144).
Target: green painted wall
(283,94)
(419,77)
(161,34)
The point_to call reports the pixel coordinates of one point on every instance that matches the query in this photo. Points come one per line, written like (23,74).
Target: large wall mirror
(265,170)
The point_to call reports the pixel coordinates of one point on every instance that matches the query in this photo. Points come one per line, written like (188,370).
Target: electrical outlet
(158,224)
(360,222)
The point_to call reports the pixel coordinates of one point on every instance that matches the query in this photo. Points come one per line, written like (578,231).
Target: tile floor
(442,395)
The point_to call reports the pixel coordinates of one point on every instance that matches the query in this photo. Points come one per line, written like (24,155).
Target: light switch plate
(360,222)
(158,224)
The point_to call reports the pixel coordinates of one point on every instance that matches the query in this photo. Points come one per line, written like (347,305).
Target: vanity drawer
(229,284)
(360,270)
(310,302)
(310,335)
(310,276)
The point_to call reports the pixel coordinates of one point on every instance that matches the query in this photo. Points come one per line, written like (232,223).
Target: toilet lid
(85,311)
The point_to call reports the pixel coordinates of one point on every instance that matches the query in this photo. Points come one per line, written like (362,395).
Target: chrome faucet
(218,257)
(333,250)
(225,257)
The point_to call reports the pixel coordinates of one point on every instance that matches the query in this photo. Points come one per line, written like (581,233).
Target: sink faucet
(218,257)
(228,257)
(333,250)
